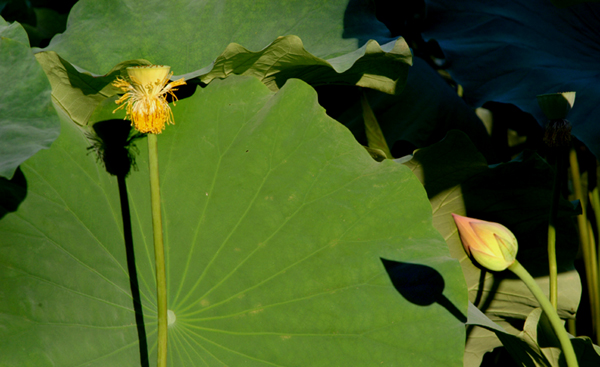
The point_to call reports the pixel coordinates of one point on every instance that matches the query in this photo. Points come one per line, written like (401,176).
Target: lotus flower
(491,244)
(145,97)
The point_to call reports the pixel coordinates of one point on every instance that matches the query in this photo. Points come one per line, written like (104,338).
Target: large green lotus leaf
(286,245)
(190,35)
(516,194)
(80,93)
(28,121)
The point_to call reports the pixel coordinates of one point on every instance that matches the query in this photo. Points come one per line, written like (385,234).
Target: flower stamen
(145,97)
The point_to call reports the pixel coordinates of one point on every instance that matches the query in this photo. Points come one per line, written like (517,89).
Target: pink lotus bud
(491,244)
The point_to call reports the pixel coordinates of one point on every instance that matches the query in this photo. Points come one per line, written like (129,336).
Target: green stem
(550,312)
(595,202)
(159,252)
(591,271)
(572,327)
(552,265)
(596,206)
(375,137)
(594,267)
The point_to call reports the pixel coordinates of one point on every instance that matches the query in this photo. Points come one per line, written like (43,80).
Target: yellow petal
(147,75)
(509,250)
(486,231)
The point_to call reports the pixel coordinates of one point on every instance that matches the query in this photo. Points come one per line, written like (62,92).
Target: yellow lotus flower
(145,97)
(491,244)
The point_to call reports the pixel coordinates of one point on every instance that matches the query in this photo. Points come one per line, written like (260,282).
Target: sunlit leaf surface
(276,226)
(190,35)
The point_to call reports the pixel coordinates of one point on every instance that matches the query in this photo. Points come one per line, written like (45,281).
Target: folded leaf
(79,93)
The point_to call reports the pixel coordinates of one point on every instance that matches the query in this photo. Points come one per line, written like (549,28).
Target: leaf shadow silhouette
(12,192)
(421,285)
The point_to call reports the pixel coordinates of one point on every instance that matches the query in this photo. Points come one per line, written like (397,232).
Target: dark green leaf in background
(281,237)
(28,121)
(565,3)
(510,51)
(48,23)
(420,115)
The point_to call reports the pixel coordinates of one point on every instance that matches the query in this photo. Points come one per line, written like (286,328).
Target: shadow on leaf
(12,192)
(421,285)
(113,144)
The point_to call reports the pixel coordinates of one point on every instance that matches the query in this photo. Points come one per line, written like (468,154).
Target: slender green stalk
(375,136)
(594,266)
(159,252)
(572,327)
(550,312)
(552,266)
(590,269)
(595,203)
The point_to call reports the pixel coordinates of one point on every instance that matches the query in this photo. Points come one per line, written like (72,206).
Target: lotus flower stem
(159,252)
(559,167)
(552,267)
(591,264)
(595,203)
(145,90)
(550,312)
(375,136)
(572,326)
